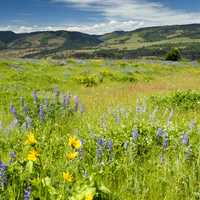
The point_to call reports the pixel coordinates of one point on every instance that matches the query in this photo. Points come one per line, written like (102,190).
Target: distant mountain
(48,39)
(151,41)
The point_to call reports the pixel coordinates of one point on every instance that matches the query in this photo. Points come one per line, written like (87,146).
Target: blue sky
(95,16)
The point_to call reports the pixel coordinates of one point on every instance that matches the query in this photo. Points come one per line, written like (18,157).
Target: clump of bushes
(173,55)
(188,100)
(87,80)
(106,73)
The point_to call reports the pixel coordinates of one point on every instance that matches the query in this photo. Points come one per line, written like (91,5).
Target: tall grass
(57,145)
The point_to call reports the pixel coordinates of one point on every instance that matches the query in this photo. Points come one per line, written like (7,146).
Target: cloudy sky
(95,16)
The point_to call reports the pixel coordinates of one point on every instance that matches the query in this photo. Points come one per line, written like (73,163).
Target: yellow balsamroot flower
(67,177)
(31,139)
(32,155)
(89,197)
(72,155)
(74,142)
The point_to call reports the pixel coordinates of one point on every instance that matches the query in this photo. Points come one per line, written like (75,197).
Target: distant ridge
(149,41)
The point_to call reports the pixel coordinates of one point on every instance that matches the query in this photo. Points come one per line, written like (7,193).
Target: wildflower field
(99,130)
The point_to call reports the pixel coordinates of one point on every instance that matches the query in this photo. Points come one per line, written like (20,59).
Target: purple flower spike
(100,141)
(99,153)
(117,119)
(166,142)
(76,101)
(27,193)
(35,97)
(3,166)
(110,144)
(12,155)
(3,174)
(135,134)
(185,139)
(41,113)
(13,111)
(29,122)
(159,133)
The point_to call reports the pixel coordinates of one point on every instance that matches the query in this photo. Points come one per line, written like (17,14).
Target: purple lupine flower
(185,139)
(110,145)
(117,119)
(41,113)
(76,101)
(3,166)
(99,150)
(100,141)
(35,97)
(159,133)
(27,193)
(29,122)
(81,150)
(3,174)
(135,134)
(56,91)
(13,110)
(13,156)
(166,142)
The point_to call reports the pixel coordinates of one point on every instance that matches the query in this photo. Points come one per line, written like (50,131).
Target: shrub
(173,55)
(87,80)
(187,100)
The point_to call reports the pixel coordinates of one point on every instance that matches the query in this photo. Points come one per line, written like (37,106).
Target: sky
(95,16)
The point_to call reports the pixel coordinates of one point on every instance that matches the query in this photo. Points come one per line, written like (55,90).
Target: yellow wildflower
(33,154)
(74,142)
(67,177)
(72,155)
(89,197)
(31,139)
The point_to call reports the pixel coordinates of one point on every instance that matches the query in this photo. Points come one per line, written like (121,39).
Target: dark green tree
(173,55)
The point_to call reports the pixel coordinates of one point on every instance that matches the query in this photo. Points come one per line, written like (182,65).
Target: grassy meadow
(99,130)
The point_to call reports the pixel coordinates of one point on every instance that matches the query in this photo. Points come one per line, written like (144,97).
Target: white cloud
(99,28)
(142,10)
(119,15)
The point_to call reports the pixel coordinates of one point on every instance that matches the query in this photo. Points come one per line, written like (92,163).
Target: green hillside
(152,41)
